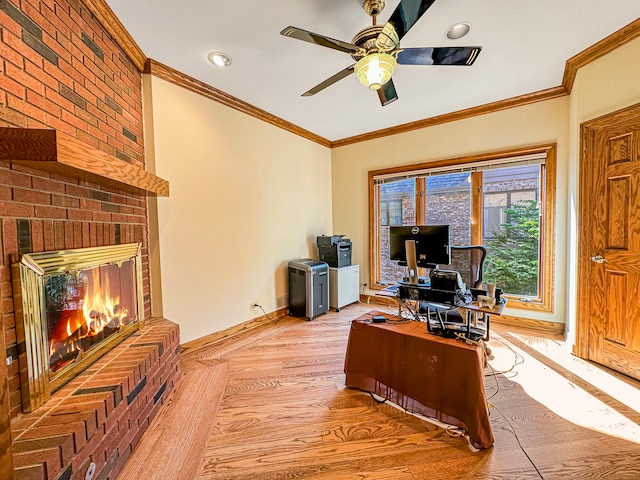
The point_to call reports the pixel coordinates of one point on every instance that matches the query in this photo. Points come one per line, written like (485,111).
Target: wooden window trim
(547,219)
(476,208)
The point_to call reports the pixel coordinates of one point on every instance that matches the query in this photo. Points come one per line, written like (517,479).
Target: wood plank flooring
(285,413)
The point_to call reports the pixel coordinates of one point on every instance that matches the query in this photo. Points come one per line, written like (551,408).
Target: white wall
(245,198)
(539,123)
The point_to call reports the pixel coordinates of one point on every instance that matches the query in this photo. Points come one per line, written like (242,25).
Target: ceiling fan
(376,49)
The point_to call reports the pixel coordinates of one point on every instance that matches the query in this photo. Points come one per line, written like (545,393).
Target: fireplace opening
(86,308)
(75,306)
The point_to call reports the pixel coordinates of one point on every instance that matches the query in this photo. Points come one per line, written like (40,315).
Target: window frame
(545,300)
(387,205)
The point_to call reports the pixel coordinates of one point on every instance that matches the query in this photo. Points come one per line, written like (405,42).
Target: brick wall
(59,69)
(101,415)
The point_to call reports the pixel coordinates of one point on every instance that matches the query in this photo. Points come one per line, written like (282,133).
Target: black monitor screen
(432,244)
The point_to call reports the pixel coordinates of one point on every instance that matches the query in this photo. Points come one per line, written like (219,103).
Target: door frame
(585,219)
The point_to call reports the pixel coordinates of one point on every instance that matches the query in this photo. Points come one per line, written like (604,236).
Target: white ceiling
(525,45)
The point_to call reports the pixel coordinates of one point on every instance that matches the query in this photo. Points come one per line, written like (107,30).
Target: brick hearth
(100,415)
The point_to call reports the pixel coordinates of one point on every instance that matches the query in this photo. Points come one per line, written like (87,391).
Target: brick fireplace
(71,307)
(62,71)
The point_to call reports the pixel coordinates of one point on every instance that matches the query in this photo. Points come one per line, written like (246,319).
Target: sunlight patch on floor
(617,385)
(563,396)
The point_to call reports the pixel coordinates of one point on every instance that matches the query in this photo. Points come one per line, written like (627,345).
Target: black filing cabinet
(308,288)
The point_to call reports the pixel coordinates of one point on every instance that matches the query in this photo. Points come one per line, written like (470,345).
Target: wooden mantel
(58,152)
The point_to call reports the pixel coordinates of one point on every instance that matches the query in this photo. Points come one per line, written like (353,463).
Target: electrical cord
(495,377)
(451,430)
(379,399)
(517,360)
(266,314)
(392,318)
(513,431)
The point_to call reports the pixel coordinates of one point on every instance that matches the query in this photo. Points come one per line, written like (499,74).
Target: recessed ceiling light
(458,30)
(220,59)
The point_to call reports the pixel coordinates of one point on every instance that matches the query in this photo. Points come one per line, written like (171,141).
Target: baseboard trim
(530,323)
(233,331)
(379,300)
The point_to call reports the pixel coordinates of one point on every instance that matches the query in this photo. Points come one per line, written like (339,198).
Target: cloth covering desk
(423,373)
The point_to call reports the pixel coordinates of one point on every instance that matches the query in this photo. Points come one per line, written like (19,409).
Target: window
(511,228)
(495,206)
(391,213)
(504,201)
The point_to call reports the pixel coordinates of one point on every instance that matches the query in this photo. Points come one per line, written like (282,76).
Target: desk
(423,373)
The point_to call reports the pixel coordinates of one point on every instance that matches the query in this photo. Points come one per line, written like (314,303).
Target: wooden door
(609,264)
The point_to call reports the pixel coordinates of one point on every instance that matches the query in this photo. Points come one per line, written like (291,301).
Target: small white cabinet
(344,283)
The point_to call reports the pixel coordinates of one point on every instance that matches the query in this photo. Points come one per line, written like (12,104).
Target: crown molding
(107,18)
(169,74)
(604,46)
(114,27)
(455,116)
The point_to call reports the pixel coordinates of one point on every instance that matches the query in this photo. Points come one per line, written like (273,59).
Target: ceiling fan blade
(329,81)
(387,93)
(318,39)
(438,56)
(407,13)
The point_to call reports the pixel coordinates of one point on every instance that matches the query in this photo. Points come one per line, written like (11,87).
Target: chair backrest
(468,260)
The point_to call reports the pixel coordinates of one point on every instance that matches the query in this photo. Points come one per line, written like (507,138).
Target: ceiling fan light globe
(375,69)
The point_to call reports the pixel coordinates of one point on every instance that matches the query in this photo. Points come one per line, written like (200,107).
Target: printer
(335,250)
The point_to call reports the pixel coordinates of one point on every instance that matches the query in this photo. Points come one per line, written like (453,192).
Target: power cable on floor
(513,431)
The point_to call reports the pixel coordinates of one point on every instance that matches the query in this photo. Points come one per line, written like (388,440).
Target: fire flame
(99,310)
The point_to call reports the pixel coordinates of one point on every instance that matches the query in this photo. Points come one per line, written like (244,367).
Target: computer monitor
(431,244)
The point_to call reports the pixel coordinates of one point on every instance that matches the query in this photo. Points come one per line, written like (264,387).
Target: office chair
(468,260)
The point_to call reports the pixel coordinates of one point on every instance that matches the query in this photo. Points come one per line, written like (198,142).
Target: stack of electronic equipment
(438,302)
(335,250)
(445,286)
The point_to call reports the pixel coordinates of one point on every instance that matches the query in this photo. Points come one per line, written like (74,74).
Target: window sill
(533,304)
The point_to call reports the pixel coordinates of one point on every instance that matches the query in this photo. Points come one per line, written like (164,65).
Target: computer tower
(308,288)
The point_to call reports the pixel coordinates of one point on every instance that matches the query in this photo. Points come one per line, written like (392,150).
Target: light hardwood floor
(280,410)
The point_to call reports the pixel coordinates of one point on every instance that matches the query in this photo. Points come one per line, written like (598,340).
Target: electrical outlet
(253,305)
